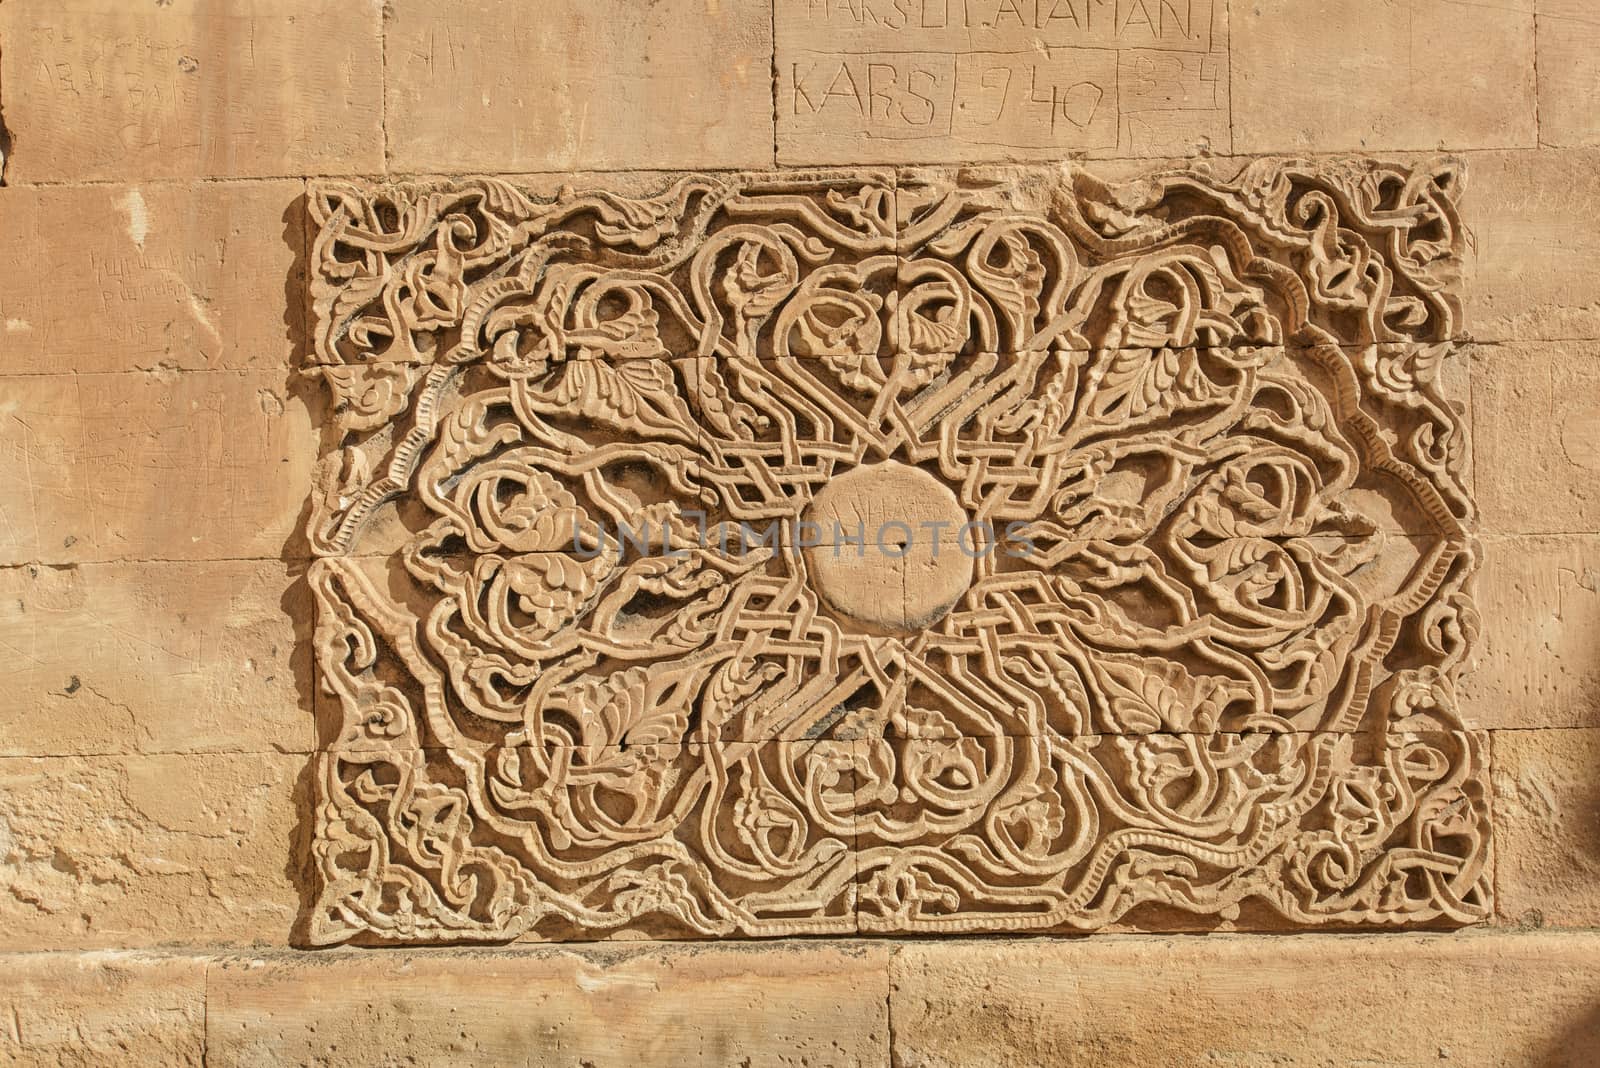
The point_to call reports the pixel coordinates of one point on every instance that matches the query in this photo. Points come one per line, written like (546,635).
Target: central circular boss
(888,553)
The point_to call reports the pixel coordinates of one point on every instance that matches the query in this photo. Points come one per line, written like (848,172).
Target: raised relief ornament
(892,552)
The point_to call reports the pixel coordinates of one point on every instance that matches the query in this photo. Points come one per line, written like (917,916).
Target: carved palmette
(1164,633)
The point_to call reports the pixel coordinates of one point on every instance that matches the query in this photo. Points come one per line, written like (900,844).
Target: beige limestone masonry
(176,275)
(1302,1001)
(108,852)
(160,657)
(118,91)
(157,446)
(1297,1002)
(159,465)
(1540,600)
(928,80)
(501,85)
(1375,75)
(101,1008)
(1538,436)
(1547,799)
(1534,235)
(750,1004)
(1569,72)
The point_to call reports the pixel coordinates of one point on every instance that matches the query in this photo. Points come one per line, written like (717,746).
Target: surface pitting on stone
(893,551)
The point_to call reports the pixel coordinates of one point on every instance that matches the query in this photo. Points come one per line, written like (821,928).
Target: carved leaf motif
(1136,381)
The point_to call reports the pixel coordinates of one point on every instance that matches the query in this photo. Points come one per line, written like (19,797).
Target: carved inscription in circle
(567,697)
(890,552)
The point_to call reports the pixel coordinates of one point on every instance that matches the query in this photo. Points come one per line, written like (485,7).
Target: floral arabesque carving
(1176,645)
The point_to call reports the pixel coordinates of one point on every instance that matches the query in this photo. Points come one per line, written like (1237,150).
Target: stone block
(127,852)
(1539,598)
(499,85)
(1547,823)
(740,1004)
(1535,233)
(1314,76)
(1293,1002)
(940,81)
(1537,414)
(66,1010)
(1569,74)
(158,657)
(190,275)
(159,466)
(105,89)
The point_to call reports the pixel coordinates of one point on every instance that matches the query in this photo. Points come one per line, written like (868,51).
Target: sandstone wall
(157,445)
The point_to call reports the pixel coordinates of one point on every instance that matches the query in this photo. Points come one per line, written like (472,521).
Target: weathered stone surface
(152,466)
(1535,224)
(1369,75)
(953,80)
(148,850)
(502,85)
(776,1005)
(64,1010)
(190,275)
(1569,72)
(695,734)
(1294,1002)
(1537,413)
(1547,834)
(1540,604)
(160,657)
(106,89)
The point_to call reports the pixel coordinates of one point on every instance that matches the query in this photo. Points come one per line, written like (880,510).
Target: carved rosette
(1170,638)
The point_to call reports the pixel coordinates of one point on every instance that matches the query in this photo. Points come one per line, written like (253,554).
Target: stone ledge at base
(1287,1001)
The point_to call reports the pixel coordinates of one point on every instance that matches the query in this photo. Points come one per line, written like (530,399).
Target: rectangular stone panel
(132,851)
(1233,441)
(861,81)
(1569,74)
(155,657)
(1539,607)
(1376,75)
(152,466)
(1534,237)
(65,1009)
(190,275)
(820,1003)
(1547,804)
(110,90)
(1298,1002)
(1538,436)
(500,85)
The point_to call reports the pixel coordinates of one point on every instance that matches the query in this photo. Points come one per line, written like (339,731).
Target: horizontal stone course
(1402,999)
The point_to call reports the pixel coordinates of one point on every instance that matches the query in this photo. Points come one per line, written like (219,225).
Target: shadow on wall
(1575,1047)
(296,602)
(5,131)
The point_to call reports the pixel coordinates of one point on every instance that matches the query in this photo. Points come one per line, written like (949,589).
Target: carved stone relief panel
(901,551)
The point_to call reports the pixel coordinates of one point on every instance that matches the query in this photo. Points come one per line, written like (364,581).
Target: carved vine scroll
(1164,633)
